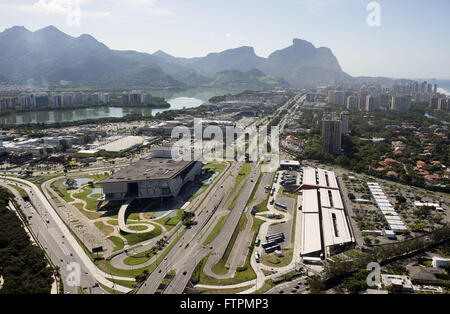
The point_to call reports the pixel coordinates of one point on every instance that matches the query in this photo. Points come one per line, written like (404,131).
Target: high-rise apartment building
(402,103)
(372,103)
(345,121)
(352,103)
(331,133)
(40,100)
(331,97)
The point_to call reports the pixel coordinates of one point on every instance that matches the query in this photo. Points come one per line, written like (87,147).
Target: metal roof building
(325,225)
(122,145)
(391,216)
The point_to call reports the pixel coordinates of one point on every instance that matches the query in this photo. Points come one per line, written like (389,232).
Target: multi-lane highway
(54,242)
(63,240)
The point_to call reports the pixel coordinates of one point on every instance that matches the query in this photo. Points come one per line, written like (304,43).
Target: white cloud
(235,38)
(141,7)
(96,8)
(315,6)
(65,7)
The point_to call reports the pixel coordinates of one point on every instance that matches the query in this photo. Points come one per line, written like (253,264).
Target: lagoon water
(52,116)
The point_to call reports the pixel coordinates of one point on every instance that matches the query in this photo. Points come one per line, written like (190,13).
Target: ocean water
(443,86)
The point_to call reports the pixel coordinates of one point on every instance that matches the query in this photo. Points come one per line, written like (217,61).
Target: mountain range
(50,56)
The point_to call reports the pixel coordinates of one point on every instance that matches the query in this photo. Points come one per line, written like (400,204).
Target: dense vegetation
(361,154)
(22,265)
(341,268)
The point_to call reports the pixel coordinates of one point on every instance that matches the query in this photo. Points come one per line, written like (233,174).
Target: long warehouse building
(325,224)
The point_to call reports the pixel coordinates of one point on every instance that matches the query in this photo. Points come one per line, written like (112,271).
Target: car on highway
(184,273)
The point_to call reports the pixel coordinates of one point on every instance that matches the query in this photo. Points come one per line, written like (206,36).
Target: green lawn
(244,273)
(118,243)
(138,228)
(261,207)
(275,261)
(139,258)
(134,238)
(89,214)
(219,167)
(251,199)
(61,190)
(107,230)
(19,189)
(221,291)
(106,266)
(220,268)
(91,204)
(243,173)
(124,283)
(170,223)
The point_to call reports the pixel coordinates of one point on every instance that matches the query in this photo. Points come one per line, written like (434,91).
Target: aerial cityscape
(264,169)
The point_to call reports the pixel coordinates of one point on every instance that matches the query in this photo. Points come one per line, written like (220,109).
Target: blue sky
(413,40)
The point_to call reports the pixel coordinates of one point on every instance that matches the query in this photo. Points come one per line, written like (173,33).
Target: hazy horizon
(411,41)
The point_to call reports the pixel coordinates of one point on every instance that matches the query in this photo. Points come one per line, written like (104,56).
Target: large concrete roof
(145,170)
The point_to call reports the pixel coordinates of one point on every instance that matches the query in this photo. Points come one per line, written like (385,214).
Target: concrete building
(125,98)
(352,103)
(439,261)
(443,103)
(289,164)
(40,100)
(150,179)
(372,103)
(25,101)
(146,99)
(106,99)
(362,99)
(67,99)
(95,98)
(385,101)
(402,103)
(77,98)
(433,103)
(331,133)
(331,97)
(57,100)
(135,98)
(398,282)
(340,97)
(7,103)
(345,120)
